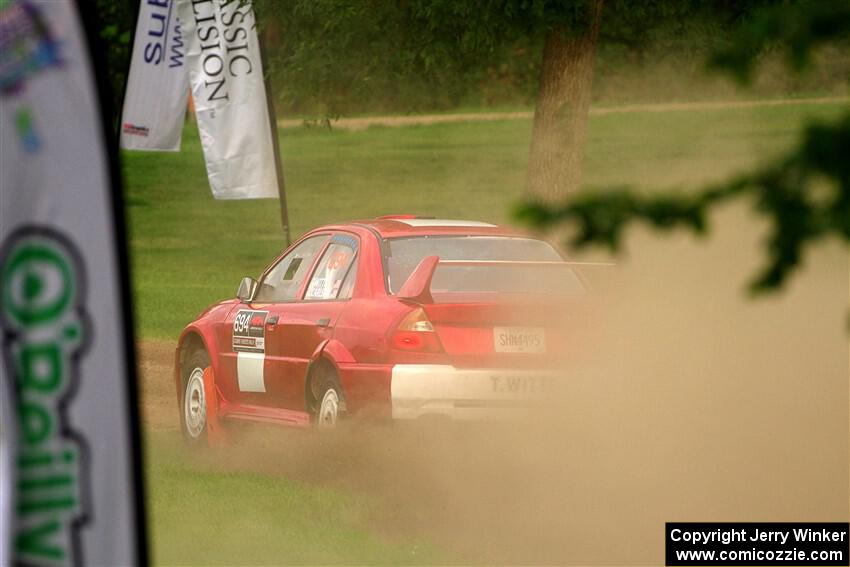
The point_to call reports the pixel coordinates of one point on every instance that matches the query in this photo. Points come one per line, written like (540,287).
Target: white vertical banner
(70,434)
(226,77)
(158,84)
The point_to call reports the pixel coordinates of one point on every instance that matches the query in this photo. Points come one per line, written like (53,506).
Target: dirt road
(155,359)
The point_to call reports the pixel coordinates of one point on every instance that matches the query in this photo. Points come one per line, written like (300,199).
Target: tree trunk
(560,119)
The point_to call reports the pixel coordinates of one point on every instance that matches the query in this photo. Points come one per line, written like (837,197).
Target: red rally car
(397,317)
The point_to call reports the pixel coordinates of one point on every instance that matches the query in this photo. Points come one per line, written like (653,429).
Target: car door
(253,360)
(309,322)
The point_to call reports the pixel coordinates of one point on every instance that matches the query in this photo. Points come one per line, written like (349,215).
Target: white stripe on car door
(249,371)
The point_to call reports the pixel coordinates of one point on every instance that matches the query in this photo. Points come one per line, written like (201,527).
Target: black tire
(328,403)
(193,421)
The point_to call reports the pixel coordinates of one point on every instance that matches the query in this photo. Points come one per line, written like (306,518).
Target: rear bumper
(419,390)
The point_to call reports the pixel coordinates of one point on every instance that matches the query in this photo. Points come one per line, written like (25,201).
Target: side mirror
(247,288)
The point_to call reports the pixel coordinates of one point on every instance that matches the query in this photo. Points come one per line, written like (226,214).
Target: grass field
(189,250)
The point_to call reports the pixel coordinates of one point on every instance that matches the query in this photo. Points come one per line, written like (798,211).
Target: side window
(284,280)
(332,269)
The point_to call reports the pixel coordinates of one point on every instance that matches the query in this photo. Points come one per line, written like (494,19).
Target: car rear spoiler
(418,285)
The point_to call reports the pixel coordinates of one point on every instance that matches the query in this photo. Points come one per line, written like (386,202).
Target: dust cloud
(695,403)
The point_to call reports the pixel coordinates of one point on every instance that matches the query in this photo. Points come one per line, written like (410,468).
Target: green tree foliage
(116,24)
(339,57)
(804,194)
(333,56)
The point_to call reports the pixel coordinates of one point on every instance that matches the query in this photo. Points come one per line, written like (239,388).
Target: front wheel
(193,414)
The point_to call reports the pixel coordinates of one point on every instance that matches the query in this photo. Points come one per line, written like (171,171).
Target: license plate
(519,339)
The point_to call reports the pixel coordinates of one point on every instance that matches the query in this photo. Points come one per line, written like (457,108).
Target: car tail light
(416,333)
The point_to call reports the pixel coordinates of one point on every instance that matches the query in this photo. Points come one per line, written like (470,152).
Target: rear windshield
(404,254)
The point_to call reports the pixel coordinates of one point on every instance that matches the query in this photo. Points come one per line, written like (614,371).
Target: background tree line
(340,57)
(366,59)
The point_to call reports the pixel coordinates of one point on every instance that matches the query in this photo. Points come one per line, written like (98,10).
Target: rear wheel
(328,409)
(193,414)
(328,405)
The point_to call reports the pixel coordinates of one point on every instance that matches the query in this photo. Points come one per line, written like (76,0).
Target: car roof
(395,226)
